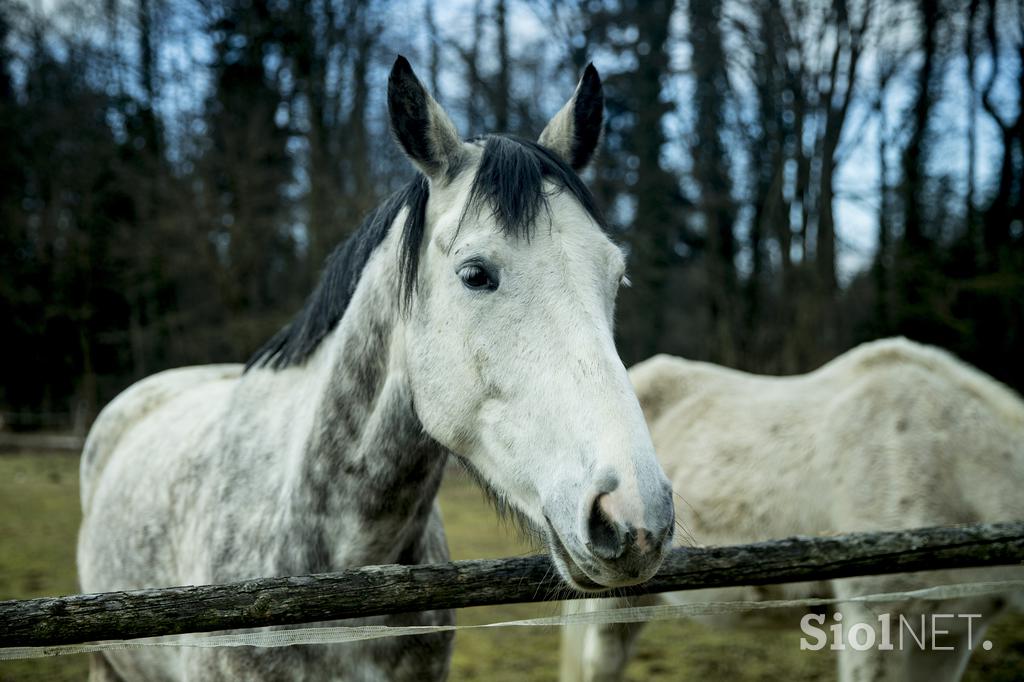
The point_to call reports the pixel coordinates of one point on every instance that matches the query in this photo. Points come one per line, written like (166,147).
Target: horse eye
(476,278)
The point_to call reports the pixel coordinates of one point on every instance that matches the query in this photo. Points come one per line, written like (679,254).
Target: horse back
(663,381)
(946,440)
(131,407)
(898,433)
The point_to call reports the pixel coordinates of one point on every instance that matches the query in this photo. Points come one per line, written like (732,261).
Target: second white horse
(891,435)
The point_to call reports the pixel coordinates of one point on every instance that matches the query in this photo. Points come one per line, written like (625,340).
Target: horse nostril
(607,539)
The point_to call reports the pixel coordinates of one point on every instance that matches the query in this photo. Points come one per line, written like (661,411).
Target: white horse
(470,314)
(890,435)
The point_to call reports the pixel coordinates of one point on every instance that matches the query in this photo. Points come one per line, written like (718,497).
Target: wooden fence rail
(375,590)
(40,442)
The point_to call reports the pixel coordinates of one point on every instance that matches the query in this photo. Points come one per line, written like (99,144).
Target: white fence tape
(289,636)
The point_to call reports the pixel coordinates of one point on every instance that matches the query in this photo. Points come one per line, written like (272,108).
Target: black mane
(508,182)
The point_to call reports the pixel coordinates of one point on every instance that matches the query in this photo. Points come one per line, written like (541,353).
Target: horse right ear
(575,131)
(419,123)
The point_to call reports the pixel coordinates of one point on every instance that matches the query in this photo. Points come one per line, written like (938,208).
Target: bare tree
(712,173)
(1006,205)
(836,96)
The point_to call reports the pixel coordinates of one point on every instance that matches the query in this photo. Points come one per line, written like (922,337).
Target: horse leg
(599,652)
(963,634)
(100,669)
(571,657)
(872,664)
(916,631)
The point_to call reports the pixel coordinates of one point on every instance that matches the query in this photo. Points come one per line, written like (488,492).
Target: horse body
(891,435)
(470,315)
(206,480)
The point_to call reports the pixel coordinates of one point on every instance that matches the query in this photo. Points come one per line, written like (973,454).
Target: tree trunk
(915,154)
(504,79)
(711,173)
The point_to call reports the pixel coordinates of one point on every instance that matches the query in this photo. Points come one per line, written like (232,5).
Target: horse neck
(365,478)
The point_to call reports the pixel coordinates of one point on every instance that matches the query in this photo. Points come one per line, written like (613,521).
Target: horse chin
(567,567)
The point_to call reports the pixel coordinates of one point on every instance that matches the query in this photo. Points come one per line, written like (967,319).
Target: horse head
(510,286)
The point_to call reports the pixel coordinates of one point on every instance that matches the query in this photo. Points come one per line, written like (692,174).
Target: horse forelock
(508,183)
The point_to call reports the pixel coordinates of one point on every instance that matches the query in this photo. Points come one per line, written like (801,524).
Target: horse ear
(575,131)
(419,123)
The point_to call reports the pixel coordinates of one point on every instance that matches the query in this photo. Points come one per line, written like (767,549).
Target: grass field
(39,516)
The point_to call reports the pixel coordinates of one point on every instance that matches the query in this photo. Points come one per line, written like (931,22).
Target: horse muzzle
(614,550)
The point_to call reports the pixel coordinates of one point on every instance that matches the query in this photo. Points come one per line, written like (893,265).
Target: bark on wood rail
(373,590)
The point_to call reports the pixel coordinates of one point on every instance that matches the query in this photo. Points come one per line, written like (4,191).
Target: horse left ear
(575,131)
(419,123)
